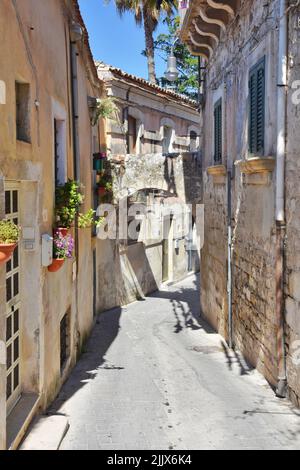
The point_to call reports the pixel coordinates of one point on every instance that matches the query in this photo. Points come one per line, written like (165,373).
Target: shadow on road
(93,358)
(186,307)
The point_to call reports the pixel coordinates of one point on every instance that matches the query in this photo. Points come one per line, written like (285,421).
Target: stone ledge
(257,170)
(256,165)
(218,172)
(46,433)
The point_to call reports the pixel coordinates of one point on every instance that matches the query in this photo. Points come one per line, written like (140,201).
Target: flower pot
(57,263)
(101,191)
(63,231)
(6,251)
(98,164)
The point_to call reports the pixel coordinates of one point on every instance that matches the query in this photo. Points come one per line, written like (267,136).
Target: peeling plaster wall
(41,58)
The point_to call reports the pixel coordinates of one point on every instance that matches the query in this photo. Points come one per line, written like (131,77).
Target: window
(64,340)
(218,132)
(132,135)
(13,307)
(193,141)
(257,108)
(60,163)
(22,111)
(167,141)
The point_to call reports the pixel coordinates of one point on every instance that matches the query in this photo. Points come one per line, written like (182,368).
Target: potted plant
(62,249)
(68,198)
(9,237)
(98,161)
(104,185)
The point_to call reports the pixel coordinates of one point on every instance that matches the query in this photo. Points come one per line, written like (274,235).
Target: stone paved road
(153,376)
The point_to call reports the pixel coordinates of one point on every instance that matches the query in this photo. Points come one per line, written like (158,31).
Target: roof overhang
(202,24)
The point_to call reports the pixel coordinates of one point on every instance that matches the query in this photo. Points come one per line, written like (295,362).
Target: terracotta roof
(145,83)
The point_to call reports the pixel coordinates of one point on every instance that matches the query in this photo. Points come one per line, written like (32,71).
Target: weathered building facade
(46,136)
(250,259)
(50,90)
(152,145)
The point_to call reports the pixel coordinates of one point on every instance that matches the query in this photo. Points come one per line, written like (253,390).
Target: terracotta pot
(6,251)
(101,191)
(57,263)
(63,231)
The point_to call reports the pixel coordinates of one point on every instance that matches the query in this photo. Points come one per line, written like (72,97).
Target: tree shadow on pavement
(186,307)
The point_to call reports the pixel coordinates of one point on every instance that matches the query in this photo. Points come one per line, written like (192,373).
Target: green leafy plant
(9,232)
(99,221)
(86,220)
(89,220)
(187,64)
(105,182)
(109,187)
(68,199)
(106,108)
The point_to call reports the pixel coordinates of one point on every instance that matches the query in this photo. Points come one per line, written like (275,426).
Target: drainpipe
(75,36)
(280,197)
(229,255)
(125,119)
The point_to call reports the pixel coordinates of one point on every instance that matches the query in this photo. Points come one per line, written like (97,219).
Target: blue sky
(117,41)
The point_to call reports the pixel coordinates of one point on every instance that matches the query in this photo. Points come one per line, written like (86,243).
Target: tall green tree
(148,13)
(187,82)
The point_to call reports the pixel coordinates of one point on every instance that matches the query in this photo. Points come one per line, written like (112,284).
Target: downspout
(229,218)
(229,254)
(125,119)
(281,390)
(75,36)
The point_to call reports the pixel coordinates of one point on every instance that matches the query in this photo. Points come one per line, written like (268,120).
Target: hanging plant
(106,108)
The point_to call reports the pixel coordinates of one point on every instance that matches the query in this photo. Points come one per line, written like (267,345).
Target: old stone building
(152,143)
(46,86)
(250,259)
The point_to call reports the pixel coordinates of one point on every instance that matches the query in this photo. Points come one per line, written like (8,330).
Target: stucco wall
(38,33)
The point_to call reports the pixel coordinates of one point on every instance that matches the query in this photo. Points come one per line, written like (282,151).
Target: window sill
(218,173)
(20,418)
(257,170)
(24,142)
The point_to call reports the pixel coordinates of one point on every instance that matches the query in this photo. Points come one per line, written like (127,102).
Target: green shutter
(257,108)
(218,131)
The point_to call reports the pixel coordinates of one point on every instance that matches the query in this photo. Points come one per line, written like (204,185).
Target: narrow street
(154,376)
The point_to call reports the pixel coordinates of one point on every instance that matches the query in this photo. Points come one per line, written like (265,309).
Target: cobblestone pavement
(154,376)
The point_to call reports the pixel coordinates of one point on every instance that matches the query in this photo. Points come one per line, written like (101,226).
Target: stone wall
(247,39)
(292,281)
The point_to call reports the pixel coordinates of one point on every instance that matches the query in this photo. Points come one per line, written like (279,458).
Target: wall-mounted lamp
(76,32)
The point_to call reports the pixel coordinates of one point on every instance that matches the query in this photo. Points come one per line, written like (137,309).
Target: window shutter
(257,108)
(260,109)
(218,131)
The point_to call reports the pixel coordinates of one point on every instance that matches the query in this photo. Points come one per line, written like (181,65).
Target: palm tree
(147,13)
